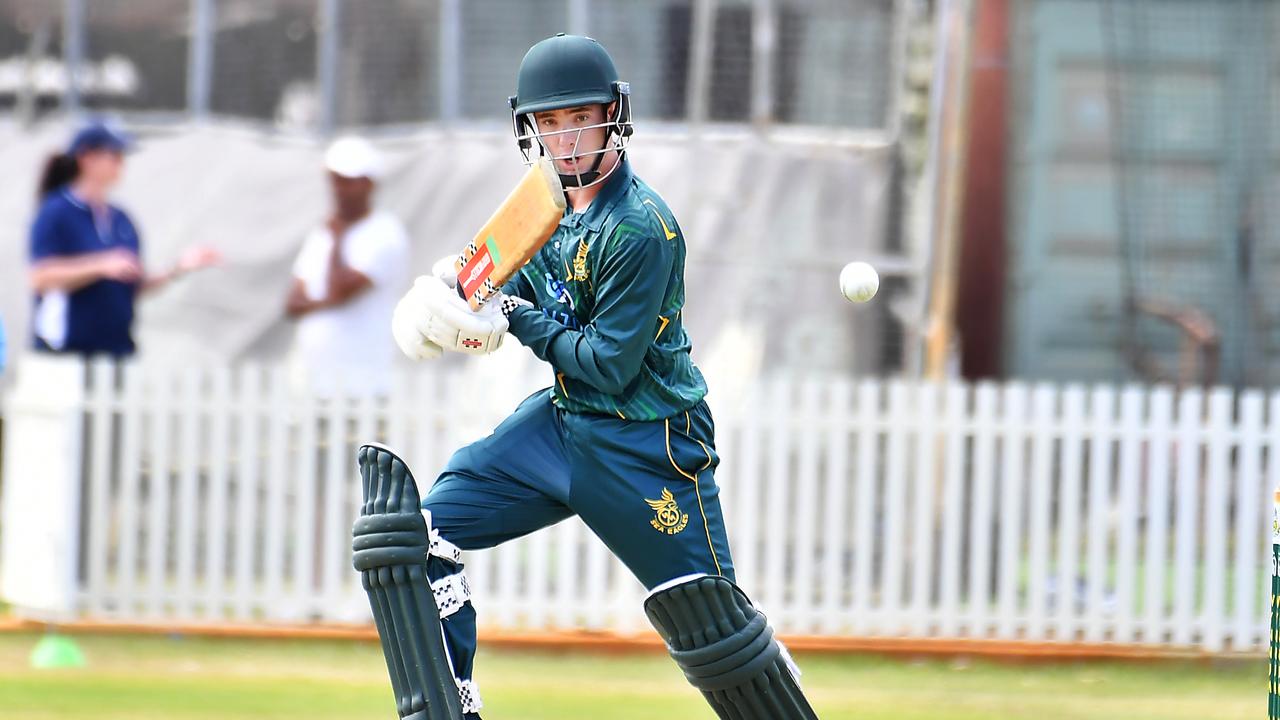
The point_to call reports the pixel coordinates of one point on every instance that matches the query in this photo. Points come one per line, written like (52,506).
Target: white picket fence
(868,508)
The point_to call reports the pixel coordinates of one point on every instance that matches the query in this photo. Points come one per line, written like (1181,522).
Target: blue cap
(99,135)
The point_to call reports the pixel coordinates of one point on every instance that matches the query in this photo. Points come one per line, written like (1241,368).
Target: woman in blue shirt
(86,266)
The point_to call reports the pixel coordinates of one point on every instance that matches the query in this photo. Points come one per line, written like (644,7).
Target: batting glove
(409,323)
(443,269)
(451,324)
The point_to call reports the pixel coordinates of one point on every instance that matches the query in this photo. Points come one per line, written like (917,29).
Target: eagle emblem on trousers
(668,517)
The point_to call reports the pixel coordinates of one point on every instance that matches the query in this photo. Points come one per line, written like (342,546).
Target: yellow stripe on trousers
(697,490)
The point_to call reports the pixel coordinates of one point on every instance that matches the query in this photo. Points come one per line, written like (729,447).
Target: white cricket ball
(859,282)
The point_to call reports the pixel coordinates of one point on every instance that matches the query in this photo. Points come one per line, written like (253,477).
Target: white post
(579,12)
(450,61)
(328,57)
(697,93)
(40,544)
(981,491)
(200,58)
(895,500)
(24,106)
(764,34)
(73,42)
(866,449)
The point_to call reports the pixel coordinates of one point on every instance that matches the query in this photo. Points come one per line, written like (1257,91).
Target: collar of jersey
(73,199)
(613,189)
(78,203)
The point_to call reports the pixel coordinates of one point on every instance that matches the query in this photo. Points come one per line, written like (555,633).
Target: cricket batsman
(623,438)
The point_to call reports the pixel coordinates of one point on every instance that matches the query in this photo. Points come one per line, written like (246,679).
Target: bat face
(520,226)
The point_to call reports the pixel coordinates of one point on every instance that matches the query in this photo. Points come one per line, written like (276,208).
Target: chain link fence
(264,61)
(329,64)
(32,74)
(388,62)
(137,54)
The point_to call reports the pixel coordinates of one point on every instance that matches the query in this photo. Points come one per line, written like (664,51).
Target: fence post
(579,16)
(73,32)
(327,63)
(764,34)
(24,106)
(701,52)
(450,61)
(200,60)
(40,531)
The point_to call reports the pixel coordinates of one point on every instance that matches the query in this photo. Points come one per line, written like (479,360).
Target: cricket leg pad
(726,649)
(391,541)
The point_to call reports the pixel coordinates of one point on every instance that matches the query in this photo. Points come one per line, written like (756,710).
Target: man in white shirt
(347,279)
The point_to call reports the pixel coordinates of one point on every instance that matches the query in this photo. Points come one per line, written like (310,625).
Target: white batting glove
(408,326)
(443,269)
(451,324)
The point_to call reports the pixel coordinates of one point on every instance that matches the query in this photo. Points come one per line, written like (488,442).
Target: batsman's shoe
(391,543)
(727,650)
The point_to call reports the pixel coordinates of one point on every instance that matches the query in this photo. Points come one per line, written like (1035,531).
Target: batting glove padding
(444,269)
(408,326)
(450,323)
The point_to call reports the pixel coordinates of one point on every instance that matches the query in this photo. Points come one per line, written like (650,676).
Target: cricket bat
(515,233)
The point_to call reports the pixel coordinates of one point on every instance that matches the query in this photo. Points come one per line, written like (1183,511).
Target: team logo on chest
(580,263)
(667,515)
(558,290)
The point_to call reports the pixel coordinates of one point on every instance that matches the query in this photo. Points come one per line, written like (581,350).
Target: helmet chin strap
(585,178)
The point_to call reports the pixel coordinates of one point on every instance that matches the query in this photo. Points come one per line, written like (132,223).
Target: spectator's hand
(121,265)
(197,257)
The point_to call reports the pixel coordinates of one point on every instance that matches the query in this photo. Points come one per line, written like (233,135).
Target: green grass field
(149,677)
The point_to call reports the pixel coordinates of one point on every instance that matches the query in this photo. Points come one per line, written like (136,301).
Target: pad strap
(469,692)
(451,592)
(442,548)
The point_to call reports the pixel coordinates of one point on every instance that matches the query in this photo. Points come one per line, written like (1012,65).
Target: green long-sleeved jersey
(608,291)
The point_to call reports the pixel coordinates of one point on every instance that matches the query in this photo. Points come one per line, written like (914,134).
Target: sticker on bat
(479,267)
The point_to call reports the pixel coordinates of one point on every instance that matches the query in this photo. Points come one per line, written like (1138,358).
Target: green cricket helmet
(568,71)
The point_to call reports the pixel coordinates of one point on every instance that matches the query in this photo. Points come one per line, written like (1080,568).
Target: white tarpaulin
(768,225)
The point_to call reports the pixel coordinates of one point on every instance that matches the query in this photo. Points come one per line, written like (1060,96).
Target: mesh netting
(136,54)
(406,61)
(387,69)
(264,61)
(1191,85)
